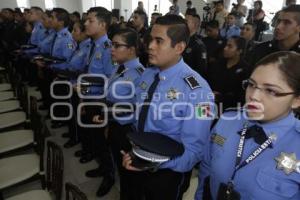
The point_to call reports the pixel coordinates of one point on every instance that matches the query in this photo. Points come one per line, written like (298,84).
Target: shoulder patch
(140,70)
(192,82)
(218,139)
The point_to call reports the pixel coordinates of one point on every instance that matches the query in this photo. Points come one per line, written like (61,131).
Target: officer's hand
(127,162)
(76,88)
(98,119)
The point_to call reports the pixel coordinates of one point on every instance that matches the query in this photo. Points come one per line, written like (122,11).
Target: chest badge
(98,56)
(288,163)
(143,85)
(172,94)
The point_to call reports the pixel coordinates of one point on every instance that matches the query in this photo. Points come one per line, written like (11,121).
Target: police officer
(195,54)
(62,47)
(248,33)
(230,29)
(75,67)
(286,35)
(226,75)
(254,153)
(171,85)
(125,45)
(38,32)
(213,42)
(98,61)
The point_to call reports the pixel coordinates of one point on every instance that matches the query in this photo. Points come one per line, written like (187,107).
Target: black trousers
(95,142)
(117,137)
(166,184)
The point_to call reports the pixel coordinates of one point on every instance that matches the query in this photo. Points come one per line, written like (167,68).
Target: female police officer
(255,154)
(125,48)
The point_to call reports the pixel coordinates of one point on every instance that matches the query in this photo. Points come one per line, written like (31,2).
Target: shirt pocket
(282,188)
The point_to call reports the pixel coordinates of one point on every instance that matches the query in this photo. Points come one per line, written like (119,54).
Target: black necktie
(257,133)
(120,69)
(145,108)
(52,47)
(90,56)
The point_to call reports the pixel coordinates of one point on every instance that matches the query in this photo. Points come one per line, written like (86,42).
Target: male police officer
(195,54)
(98,62)
(173,100)
(286,35)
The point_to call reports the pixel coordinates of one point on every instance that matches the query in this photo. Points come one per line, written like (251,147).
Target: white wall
(8,4)
(39,3)
(69,5)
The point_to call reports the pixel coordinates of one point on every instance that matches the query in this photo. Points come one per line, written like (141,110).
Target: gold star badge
(98,56)
(143,85)
(172,94)
(288,163)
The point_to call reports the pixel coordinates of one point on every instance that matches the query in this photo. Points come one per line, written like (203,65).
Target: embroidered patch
(218,139)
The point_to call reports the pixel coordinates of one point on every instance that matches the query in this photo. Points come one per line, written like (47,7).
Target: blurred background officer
(230,29)
(125,46)
(195,54)
(75,66)
(213,42)
(286,35)
(170,83)
(98,61)
(226,75)
(62,48)
(248,33)
(254,154)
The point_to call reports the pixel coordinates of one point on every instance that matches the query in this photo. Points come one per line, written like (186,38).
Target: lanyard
(238,162)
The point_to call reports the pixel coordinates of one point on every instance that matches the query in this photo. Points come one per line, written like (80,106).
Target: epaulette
(107,45)
(140,70)
(192,82)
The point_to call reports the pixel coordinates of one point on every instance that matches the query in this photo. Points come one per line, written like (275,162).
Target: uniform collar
(132,63)
(84,43)
(62,31)
(101,40)
(38,24)
(171,71)
(280,127)
(274,44)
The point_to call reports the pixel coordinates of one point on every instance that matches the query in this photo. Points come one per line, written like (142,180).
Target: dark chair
(74,193)
(54,176)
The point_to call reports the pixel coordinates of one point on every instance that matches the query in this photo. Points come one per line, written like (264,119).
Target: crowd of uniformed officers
(191,70)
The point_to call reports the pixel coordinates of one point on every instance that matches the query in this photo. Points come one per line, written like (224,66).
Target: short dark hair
(36,8)
(233,14)
(156,14)
(48,13)
(178,30)
(131,37)
(141,13)
(62,15)
(251,24)
(76,14)
(288,63)
(9,10)
(259,2)
(213,24)
(240,42)
(294,9)
(191,11)
(102,14)
(189,2)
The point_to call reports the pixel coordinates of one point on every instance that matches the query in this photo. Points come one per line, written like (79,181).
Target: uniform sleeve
(194,133)
(204,171)
(68,48)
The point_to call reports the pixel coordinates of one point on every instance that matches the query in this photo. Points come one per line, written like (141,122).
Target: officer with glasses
(254,152)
